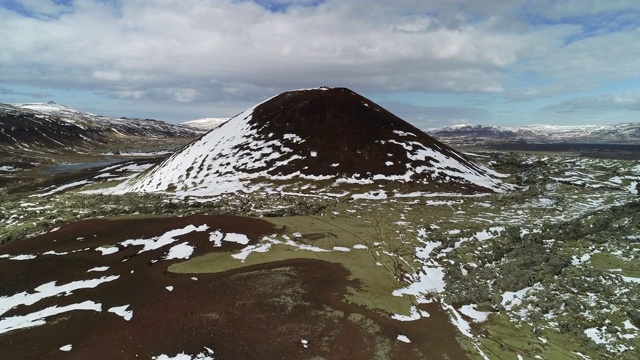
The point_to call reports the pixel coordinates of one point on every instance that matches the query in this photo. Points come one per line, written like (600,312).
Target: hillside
(51,128)
(328,141)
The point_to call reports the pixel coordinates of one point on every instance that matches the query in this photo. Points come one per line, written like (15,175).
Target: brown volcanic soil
(345,128)
(261,311)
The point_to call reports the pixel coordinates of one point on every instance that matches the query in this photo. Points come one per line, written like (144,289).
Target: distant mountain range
(50,126)
(628,133)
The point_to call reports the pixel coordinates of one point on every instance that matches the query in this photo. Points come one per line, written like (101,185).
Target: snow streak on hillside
(207,166)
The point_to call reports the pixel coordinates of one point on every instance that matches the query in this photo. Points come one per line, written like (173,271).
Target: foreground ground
(549,270)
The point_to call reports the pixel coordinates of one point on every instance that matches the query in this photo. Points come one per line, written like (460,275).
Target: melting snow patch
(403,338)
(423,253)
(341,248)
(37,318)
(596,335)
(628,325)
(170,288)
(237,238)
(486,235)
(107,250)
(244,253)
(579,260)
(164,239)
(51,252)
(293,137)
(458,321)
(511,299)
(23,257)
(307,247)
(63,187)
(371,195)
(360,247)
(99,268)
(477,316)
(122,311)
(67,347)
(49,290)
(630,279)
(403,133)
(184,356)
(216,238)
(180,251)
(582,356)
(415,315)
(430,279)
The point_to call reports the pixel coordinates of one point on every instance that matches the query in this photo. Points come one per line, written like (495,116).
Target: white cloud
(627,101)
(184,95)
(108,75)
(228,52)
(241,42)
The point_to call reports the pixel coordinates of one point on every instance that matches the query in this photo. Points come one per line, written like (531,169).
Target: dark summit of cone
(341,127)
(320,139)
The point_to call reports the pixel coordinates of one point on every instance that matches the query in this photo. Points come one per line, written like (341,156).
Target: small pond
(62,168)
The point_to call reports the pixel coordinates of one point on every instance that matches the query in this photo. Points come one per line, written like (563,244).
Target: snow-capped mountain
(129,126)
(479,134)
(50,126)
(316,141)
(206,123)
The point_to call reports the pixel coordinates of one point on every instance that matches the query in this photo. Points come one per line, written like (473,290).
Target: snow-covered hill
(49,126)
(476,134)
(206,123)
(316,141)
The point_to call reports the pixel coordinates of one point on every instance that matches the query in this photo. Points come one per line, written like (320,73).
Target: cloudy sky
(431,62)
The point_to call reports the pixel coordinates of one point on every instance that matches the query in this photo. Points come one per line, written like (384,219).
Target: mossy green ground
(376,282)
(611,262)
